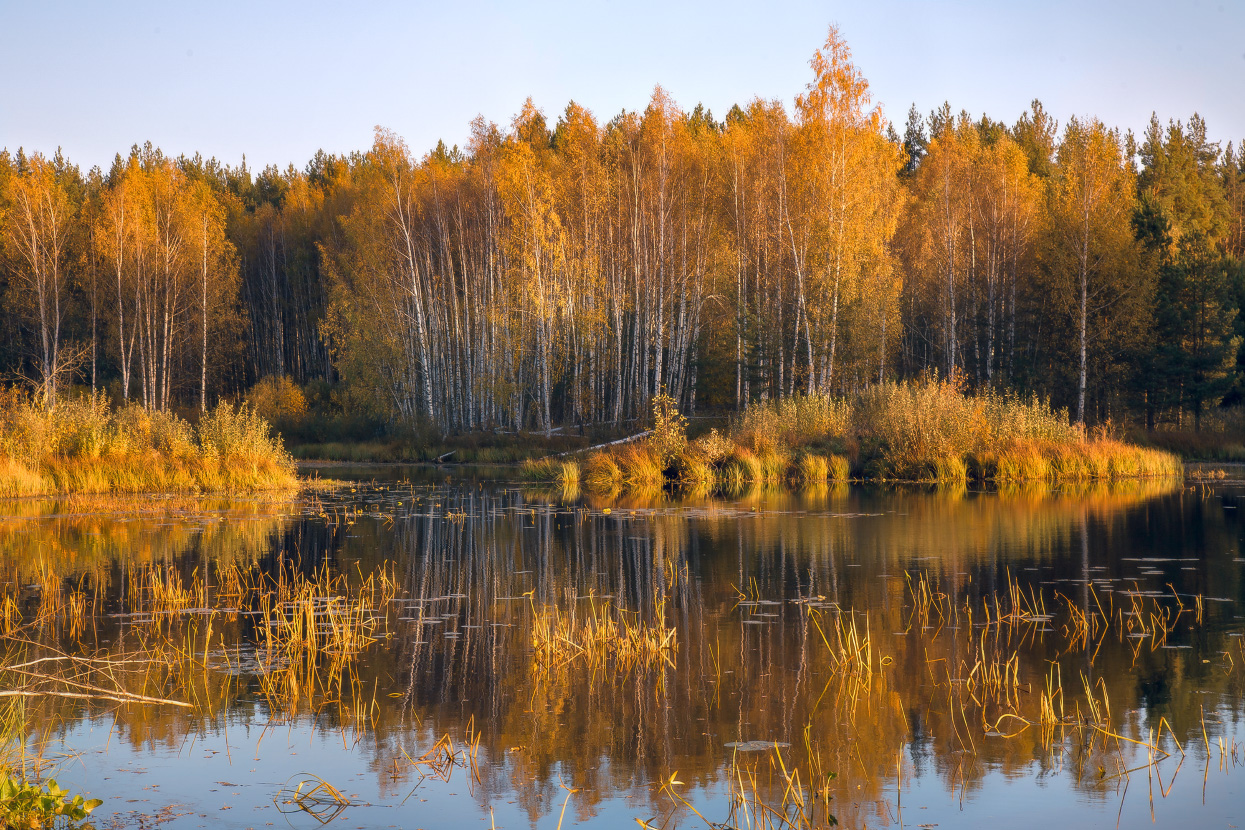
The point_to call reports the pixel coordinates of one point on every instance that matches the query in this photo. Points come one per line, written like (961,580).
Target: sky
(278,81)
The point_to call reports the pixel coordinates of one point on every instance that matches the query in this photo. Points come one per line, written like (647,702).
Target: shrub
(279,401)
(714,446)
(669,434)
(793,422)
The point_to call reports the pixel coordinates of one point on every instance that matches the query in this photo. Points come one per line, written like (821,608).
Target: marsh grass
(323,614)
(84,446)
(920,431)
(978,653)
(1009,665)
(602,472)
(563,472)
(307,634)
(641,466)
(605,635)
(810,469)
(768,792)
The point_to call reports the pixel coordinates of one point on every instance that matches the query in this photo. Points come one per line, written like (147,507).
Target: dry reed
(924,431)
(605,634)
(84,446)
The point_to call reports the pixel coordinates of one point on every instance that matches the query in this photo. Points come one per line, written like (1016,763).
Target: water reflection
(760,588)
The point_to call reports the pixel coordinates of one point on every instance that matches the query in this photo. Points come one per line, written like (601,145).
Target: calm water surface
(757,588)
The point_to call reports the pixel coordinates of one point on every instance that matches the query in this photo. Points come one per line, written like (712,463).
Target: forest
(560,272)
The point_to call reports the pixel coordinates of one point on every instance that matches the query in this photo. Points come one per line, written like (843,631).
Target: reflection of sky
(279,80)
(195,779)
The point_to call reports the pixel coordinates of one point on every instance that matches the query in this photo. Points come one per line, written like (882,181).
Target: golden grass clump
(809,468)
(742,467)
(81,445)
(641,466)
(602,472)
(694,469)
(1017,461)
(774,465)
(605,633)
(921,430)
(552,471)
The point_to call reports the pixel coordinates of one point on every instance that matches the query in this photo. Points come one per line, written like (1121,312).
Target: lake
(1040,657)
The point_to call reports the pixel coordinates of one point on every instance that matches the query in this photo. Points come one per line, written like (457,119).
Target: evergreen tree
(1196,338)
(915,142)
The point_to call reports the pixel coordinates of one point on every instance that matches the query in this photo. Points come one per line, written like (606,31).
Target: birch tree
(37,230)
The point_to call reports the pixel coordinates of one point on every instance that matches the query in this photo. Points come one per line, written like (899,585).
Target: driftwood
(626,440)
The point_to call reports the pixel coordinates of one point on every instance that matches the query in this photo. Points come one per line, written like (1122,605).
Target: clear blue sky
(277,81)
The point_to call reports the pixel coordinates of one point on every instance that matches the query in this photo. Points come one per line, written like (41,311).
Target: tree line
(565,273)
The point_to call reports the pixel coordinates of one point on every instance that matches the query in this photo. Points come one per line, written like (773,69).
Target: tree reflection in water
(799,618)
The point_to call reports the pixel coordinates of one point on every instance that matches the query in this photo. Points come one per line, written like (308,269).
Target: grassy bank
(319,424)
(85,446)
(1207,445)
(919,431)
(472,448)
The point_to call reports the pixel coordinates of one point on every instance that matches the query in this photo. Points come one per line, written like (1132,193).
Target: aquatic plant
(606,632)
(31,805)
(564,472)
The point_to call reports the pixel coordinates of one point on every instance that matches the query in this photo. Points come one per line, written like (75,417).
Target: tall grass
(924,430)
(85,446)
(552,471)
(606,633)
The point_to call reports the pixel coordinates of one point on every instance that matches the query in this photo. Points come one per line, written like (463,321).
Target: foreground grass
(918,431)
(85,446)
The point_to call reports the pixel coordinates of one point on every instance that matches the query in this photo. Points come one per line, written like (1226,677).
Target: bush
(279,401)
(669,434)
(793,422)
(713,446)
